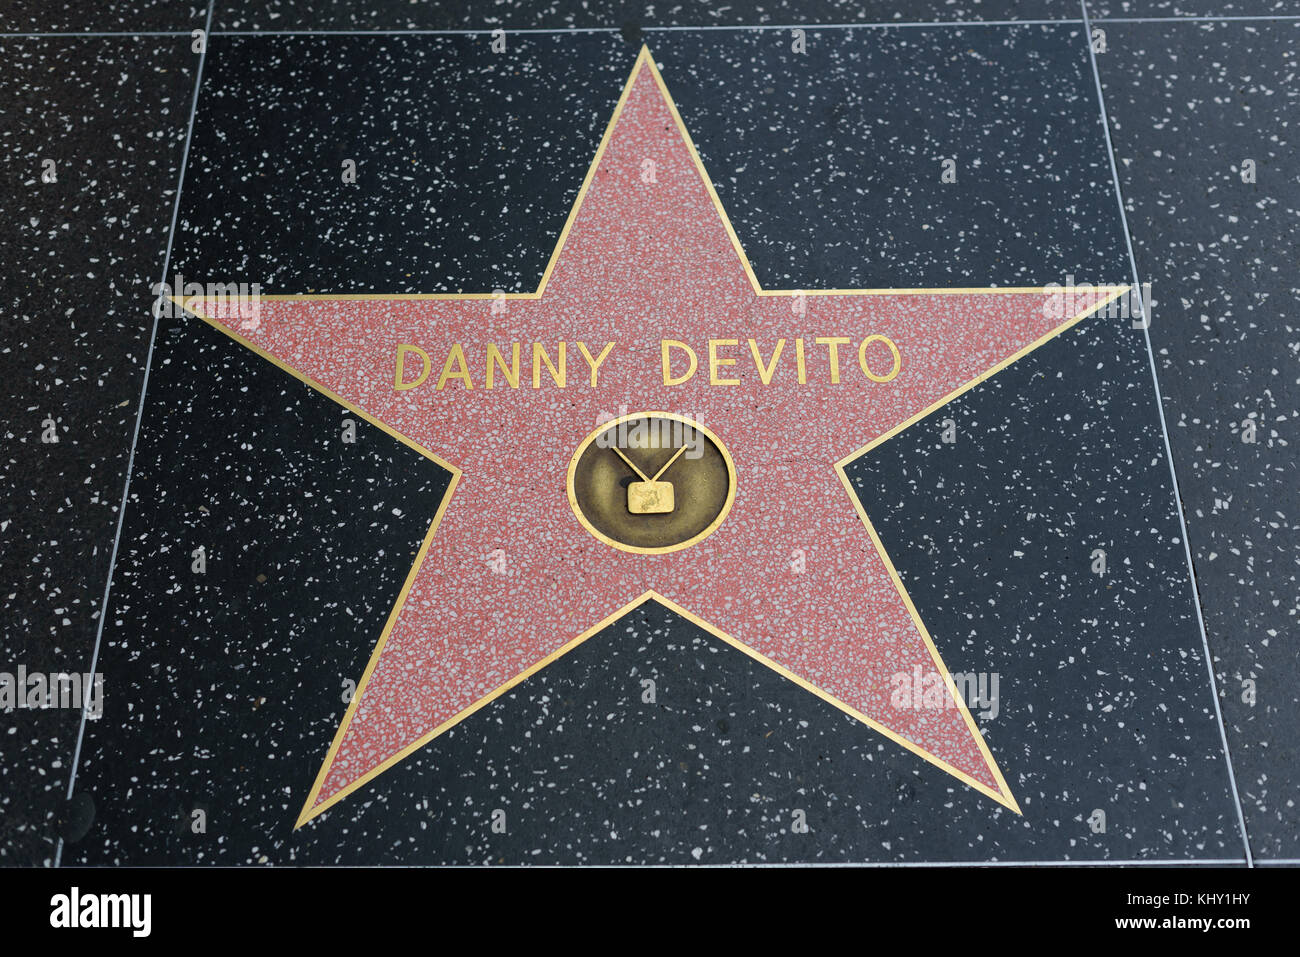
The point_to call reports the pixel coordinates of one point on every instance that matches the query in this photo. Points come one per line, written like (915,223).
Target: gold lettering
(594,363)
(715,362)
(664,346)
(456,355)
(862,358)
(832,344)
(540,356)
(495,358)
(765,372)
(799,361)
(399,382)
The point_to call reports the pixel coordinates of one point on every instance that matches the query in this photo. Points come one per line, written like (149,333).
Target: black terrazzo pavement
(1190,8)
(829,162)
(79,255)
(233,688)
(225,689)
(1221,257)
(240,671)
(106,16)
(1105,702)
(822,175)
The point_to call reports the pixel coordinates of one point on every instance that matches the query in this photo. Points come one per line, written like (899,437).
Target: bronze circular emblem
(651,482)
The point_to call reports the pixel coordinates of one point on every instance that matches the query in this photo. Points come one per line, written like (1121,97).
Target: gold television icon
(650,498)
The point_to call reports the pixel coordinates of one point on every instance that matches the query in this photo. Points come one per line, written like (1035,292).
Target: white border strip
(487,31)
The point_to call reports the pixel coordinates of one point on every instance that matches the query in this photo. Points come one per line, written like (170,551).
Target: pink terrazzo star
(648,255)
